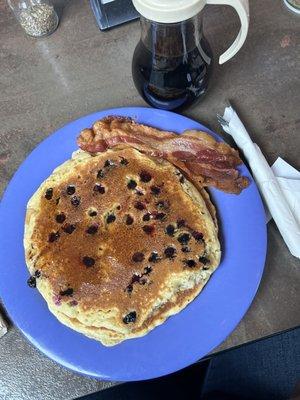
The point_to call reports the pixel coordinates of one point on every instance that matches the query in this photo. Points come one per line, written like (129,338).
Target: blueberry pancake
(116,242)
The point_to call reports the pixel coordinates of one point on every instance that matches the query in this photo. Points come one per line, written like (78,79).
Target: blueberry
(163,204)
(75,201)
(146,217)
(170,229)
(99,188)
(170,252)
(100,174)
(153,257)
(91,230)
(160,216)
(31,282)
(123,161)
(109,163)
(129,220)
(180,223)
(71,189)
(148,229)
(53,237)
(129,288)
(139,205)
(138,257)
(49,194)
(57,299)
(203,260)
(110,218)
(88,261)
(67,292)
(131,184)
(147,270)
(184,238)
(92,213)
(135,278)
(37,273)
(198,236)
(145,176)
(129,318)
(190,263)
(155,190)
(60,218)
(69,228)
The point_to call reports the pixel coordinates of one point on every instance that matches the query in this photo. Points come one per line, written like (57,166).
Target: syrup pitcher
(172,62)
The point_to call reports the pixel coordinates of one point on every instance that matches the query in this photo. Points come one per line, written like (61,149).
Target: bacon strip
(203,160)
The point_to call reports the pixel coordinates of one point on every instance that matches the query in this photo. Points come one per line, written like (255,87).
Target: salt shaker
(37,17)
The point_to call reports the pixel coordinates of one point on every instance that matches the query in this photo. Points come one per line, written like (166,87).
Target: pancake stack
(116,242)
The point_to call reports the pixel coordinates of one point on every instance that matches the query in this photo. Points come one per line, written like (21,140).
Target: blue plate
(183,338)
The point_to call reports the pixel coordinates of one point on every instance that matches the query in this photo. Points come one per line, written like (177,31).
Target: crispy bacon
(203,160)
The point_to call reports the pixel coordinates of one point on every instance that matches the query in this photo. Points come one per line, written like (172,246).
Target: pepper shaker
(293,5)
(37,17)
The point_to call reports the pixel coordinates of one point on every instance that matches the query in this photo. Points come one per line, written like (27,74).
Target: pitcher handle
(242,8)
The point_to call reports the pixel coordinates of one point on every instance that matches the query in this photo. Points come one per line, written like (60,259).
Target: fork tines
(221,120)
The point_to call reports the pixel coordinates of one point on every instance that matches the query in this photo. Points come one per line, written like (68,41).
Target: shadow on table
(268,369)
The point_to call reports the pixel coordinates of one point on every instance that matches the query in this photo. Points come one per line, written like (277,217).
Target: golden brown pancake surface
(116,238)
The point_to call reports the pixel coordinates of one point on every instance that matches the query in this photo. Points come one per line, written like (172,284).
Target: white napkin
(3,326)
(289,181)
(278,193)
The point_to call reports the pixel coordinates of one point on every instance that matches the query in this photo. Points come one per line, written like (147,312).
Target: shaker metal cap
(168,11)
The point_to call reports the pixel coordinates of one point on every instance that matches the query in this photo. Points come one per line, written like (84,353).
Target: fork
(225,125)
(222,121)
(228,138)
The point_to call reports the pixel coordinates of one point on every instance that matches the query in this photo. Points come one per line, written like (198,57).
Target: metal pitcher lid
(168,11)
